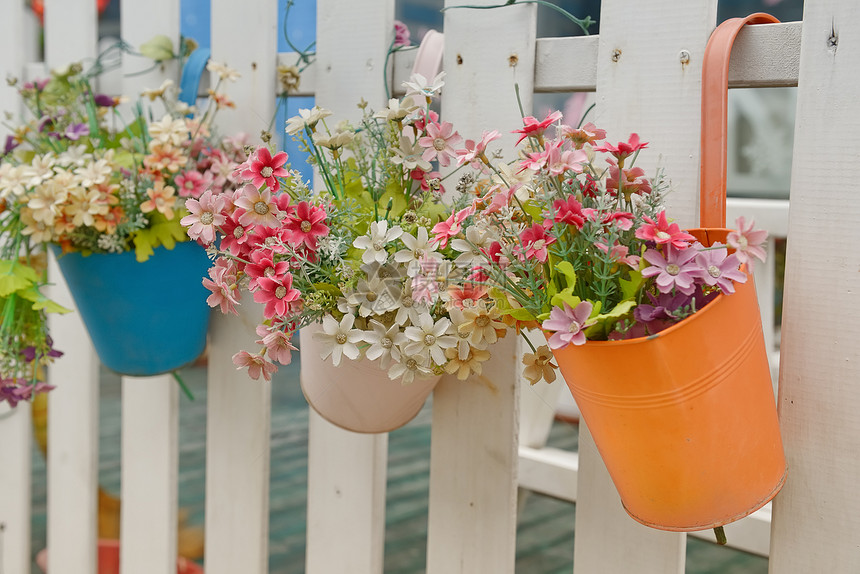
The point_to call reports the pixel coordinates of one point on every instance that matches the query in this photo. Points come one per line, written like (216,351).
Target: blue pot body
(144,318)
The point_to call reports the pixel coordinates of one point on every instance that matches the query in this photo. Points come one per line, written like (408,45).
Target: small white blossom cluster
(401,313)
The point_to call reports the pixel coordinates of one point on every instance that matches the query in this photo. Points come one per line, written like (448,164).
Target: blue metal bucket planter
(144,318)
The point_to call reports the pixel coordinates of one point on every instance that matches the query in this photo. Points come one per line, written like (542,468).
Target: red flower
(536,240)
(623,149)
(262,167)
(661,232)
(533,128)
(305,224)
(569,212)
(277,294)
(263,265)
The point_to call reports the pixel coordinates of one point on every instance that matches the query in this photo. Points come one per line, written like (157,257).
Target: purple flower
(77,131)
(568,324)
(103,100)
(716,268)
(401,35)
(36,84)
(677,270)
(11,143)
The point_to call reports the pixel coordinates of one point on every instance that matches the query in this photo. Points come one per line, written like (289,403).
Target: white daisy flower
(384,343)
(306,118)
(472,256)
(429,339)
(374,243)
(416,248)
(408,368)
(396,110)
(339,338)
(421,86)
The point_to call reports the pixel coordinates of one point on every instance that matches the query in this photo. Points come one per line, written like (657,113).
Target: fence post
(239,409)
(648,81)
(14,424)
(347,471)
(150,405)
(70,35)
(816,517)
(474,449)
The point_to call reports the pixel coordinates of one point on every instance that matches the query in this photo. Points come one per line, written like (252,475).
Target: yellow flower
(481,324)
(539,365)
(161,197)
(464,367)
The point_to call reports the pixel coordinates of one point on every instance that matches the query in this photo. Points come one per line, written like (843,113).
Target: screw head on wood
(684,57)
(616,55)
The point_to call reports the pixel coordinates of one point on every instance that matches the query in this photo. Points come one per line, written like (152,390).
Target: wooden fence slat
(73,415)
(150,405)
(816,517)
(646,87)
(15,465)
(244,36)
(474,450)
(150,468)
(15,456)
(347,471)
(71,35)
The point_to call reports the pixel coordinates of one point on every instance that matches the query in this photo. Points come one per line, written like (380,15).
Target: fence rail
(478,460)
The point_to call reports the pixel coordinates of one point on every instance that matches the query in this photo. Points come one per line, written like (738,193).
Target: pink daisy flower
(439,142)
(222,284)
(258,205)
(747,242)
(587,134)
(718,268)
(569,325)
(677,270)
(444,230)
(278,344)
(474,150)
(256,364)
(192,183)
(206,215)
(568,211)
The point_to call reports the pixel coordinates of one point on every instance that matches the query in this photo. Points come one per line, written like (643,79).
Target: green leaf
(566,269)
(505,308)
(328,288)
(565,296)
(533,210)
(630,288)
(41,302)
(160,48)
(160,232)
(15,276)
(606,321)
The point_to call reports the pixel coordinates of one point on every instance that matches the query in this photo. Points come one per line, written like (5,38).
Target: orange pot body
(358,395)
(685,420)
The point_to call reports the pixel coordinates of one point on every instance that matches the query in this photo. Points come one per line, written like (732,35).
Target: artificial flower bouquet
(584,248)
(368,256)
(655,329)
(80,177)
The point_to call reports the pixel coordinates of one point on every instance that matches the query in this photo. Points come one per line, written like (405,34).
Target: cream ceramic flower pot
(358,395)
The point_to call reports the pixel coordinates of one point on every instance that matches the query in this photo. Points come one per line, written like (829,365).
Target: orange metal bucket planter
(685,420)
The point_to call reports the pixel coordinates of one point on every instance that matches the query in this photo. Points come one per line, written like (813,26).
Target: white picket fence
(481,452)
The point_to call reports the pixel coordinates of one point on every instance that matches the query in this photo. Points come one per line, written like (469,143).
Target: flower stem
(182,385)
(721,535)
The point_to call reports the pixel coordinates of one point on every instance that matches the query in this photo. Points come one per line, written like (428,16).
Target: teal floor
(545,533)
